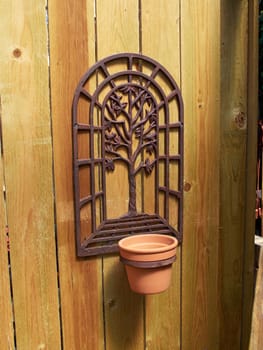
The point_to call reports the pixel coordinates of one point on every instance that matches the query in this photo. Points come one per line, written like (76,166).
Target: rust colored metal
(122,123)
(149,264)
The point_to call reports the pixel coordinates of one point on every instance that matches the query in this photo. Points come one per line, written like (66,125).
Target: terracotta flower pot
(148,261)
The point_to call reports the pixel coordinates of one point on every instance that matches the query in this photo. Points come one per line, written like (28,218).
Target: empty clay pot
(148,261)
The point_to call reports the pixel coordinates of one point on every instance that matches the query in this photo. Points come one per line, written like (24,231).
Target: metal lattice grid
(127,110)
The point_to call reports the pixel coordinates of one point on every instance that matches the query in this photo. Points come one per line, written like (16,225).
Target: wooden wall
(49,299)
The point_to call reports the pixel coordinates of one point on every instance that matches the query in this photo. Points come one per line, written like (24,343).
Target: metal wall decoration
(127,109)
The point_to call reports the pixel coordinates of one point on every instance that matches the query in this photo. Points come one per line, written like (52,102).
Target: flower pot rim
(167,243)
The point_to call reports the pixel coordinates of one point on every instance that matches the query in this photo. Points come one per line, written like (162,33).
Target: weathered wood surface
(251,155)
(234,120)
(118,31)
(201,92)
(72,52)
(28,173)
(6,317)
(163,312)
(65,302)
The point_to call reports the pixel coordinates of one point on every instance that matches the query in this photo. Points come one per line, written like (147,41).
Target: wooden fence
(51,300)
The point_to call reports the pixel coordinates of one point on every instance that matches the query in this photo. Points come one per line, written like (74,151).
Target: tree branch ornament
(135,118)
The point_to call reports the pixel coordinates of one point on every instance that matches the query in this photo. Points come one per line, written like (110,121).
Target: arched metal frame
(123,124)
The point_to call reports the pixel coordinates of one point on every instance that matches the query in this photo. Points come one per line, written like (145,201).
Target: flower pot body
(149,280)
(148,261)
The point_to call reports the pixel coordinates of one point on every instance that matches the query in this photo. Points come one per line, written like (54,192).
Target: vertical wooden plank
(28,172)
(200,40)
(72,50)
(251,160)
(234,26)
(118,31)
(160,23)
(6,317)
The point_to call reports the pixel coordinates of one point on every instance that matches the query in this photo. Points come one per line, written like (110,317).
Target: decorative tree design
(127,110)
(130,120)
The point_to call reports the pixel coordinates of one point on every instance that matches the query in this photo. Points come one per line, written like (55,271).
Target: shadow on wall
(124,309)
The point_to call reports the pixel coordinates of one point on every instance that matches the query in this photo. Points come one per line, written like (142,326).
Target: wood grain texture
(204,45)
(160,23)
(200,49)
(251,160)
(118,31)
(233,168)
(72,52)
(124,312)
(6,317)
(28,173)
